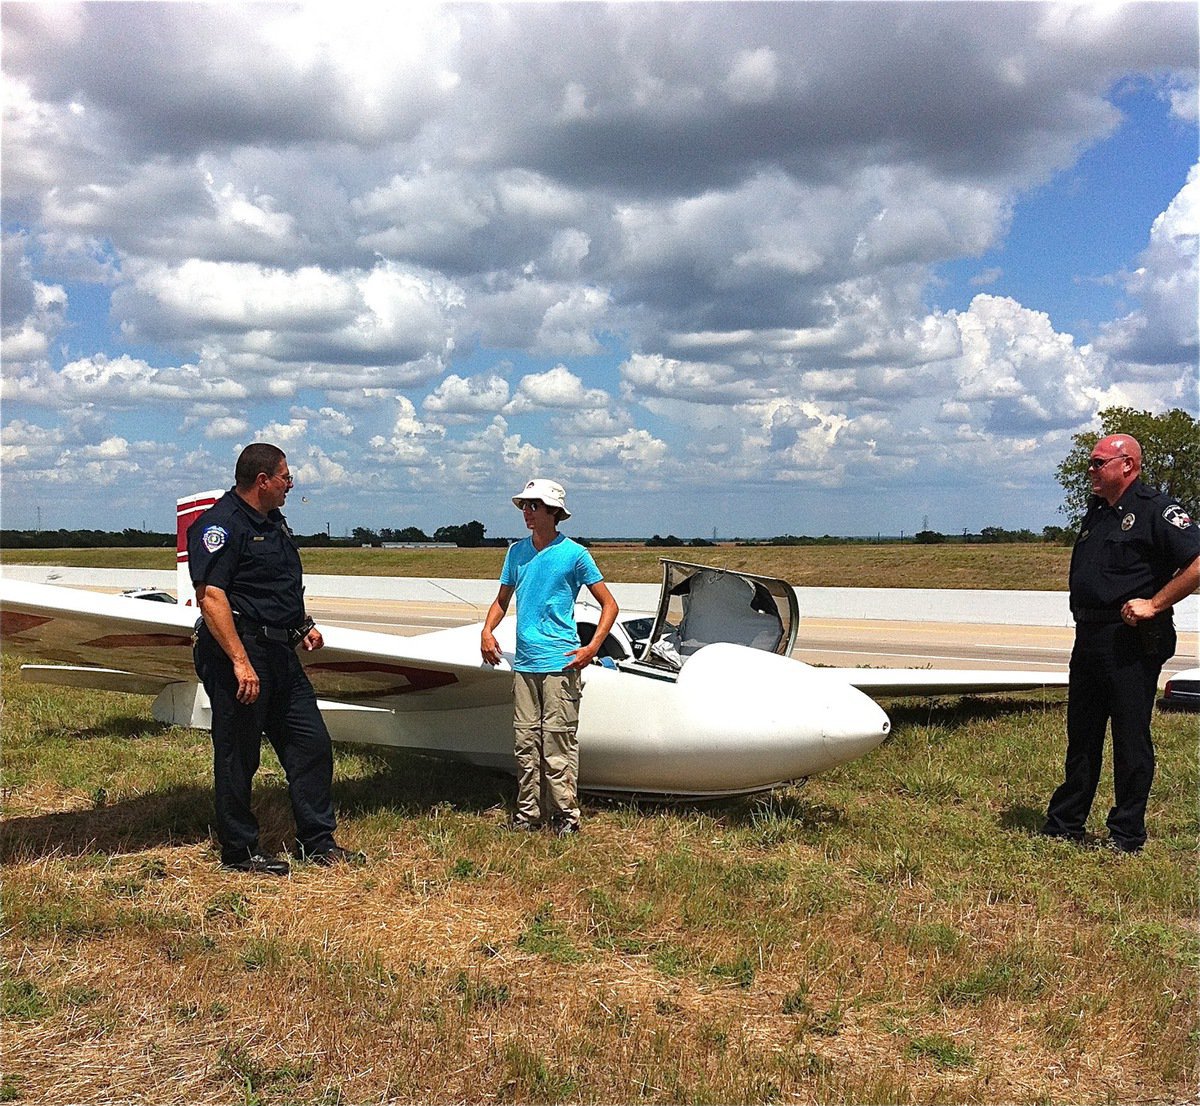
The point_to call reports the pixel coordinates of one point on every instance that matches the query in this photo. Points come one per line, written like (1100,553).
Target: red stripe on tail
(187,510)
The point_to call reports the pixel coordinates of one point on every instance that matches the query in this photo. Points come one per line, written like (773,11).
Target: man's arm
(585,654)
(1180,586)
(218,617)
(487,641)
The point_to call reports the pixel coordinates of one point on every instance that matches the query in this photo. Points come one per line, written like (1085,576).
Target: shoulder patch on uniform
(214,538)
(1177,516)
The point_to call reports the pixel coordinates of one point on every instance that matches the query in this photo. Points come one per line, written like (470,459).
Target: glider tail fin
(187,510)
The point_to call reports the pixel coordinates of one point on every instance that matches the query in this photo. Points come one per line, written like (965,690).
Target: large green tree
(1170,456)
(468,536)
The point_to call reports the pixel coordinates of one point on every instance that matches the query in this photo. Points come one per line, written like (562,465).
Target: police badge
(1177,516)
(214,538)
(1127,522)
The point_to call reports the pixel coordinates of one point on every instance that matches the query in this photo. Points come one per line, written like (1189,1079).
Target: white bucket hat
(549,492)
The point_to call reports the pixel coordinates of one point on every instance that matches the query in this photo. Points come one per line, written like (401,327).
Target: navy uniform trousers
(286,711)
(1111,679)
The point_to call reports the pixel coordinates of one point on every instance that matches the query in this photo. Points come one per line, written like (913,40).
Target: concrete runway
(839,642)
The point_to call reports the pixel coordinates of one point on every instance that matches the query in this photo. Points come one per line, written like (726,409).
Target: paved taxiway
(839,642)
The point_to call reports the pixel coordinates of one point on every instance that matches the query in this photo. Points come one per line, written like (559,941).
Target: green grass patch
(23,1000)
(546,937)
(941,1050)
(1018,973)
(530,1077)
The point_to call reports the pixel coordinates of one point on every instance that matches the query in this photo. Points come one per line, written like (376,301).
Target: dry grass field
(1032,567)
(891,932)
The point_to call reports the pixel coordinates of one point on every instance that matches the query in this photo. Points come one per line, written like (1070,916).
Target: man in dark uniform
(1137,555)
(246,570)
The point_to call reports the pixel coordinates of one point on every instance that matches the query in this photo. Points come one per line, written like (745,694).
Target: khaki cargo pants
(545,721)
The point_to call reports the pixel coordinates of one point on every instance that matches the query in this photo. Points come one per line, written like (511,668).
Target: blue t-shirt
(546,584)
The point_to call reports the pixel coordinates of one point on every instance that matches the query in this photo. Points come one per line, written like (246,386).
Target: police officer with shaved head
(246,570)
(1136,556)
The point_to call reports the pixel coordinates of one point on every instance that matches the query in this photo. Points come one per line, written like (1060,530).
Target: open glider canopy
(700,606)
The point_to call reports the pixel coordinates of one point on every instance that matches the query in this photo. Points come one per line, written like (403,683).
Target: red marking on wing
(135,641)
(419,679)
(14,622)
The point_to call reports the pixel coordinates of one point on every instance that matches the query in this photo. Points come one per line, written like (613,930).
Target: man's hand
(1138,610)
(489,648)
(1182,584)
(584,656)
(313,640)
(247,678)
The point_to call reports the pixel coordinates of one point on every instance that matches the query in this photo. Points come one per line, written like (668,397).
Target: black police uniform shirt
(250,557)
(1130,550)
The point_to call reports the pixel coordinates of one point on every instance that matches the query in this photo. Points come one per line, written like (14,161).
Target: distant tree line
(825,539)
(472,535)
(671,541)
(468,535)
(85,539)
(997,535)
(989,535)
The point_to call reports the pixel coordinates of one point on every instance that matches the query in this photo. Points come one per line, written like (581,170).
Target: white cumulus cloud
(556,388)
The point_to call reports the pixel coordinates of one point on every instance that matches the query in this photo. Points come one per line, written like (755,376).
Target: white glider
(700,699)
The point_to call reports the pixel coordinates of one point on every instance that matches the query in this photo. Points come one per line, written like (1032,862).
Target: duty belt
(280,635)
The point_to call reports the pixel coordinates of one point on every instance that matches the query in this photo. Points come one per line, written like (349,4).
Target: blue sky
(1096,214)
(759,268)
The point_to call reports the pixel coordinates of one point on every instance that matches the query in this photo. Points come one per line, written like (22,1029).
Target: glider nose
(773,717)
(854,724)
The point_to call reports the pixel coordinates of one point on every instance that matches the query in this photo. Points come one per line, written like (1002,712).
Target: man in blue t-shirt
(545,571)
